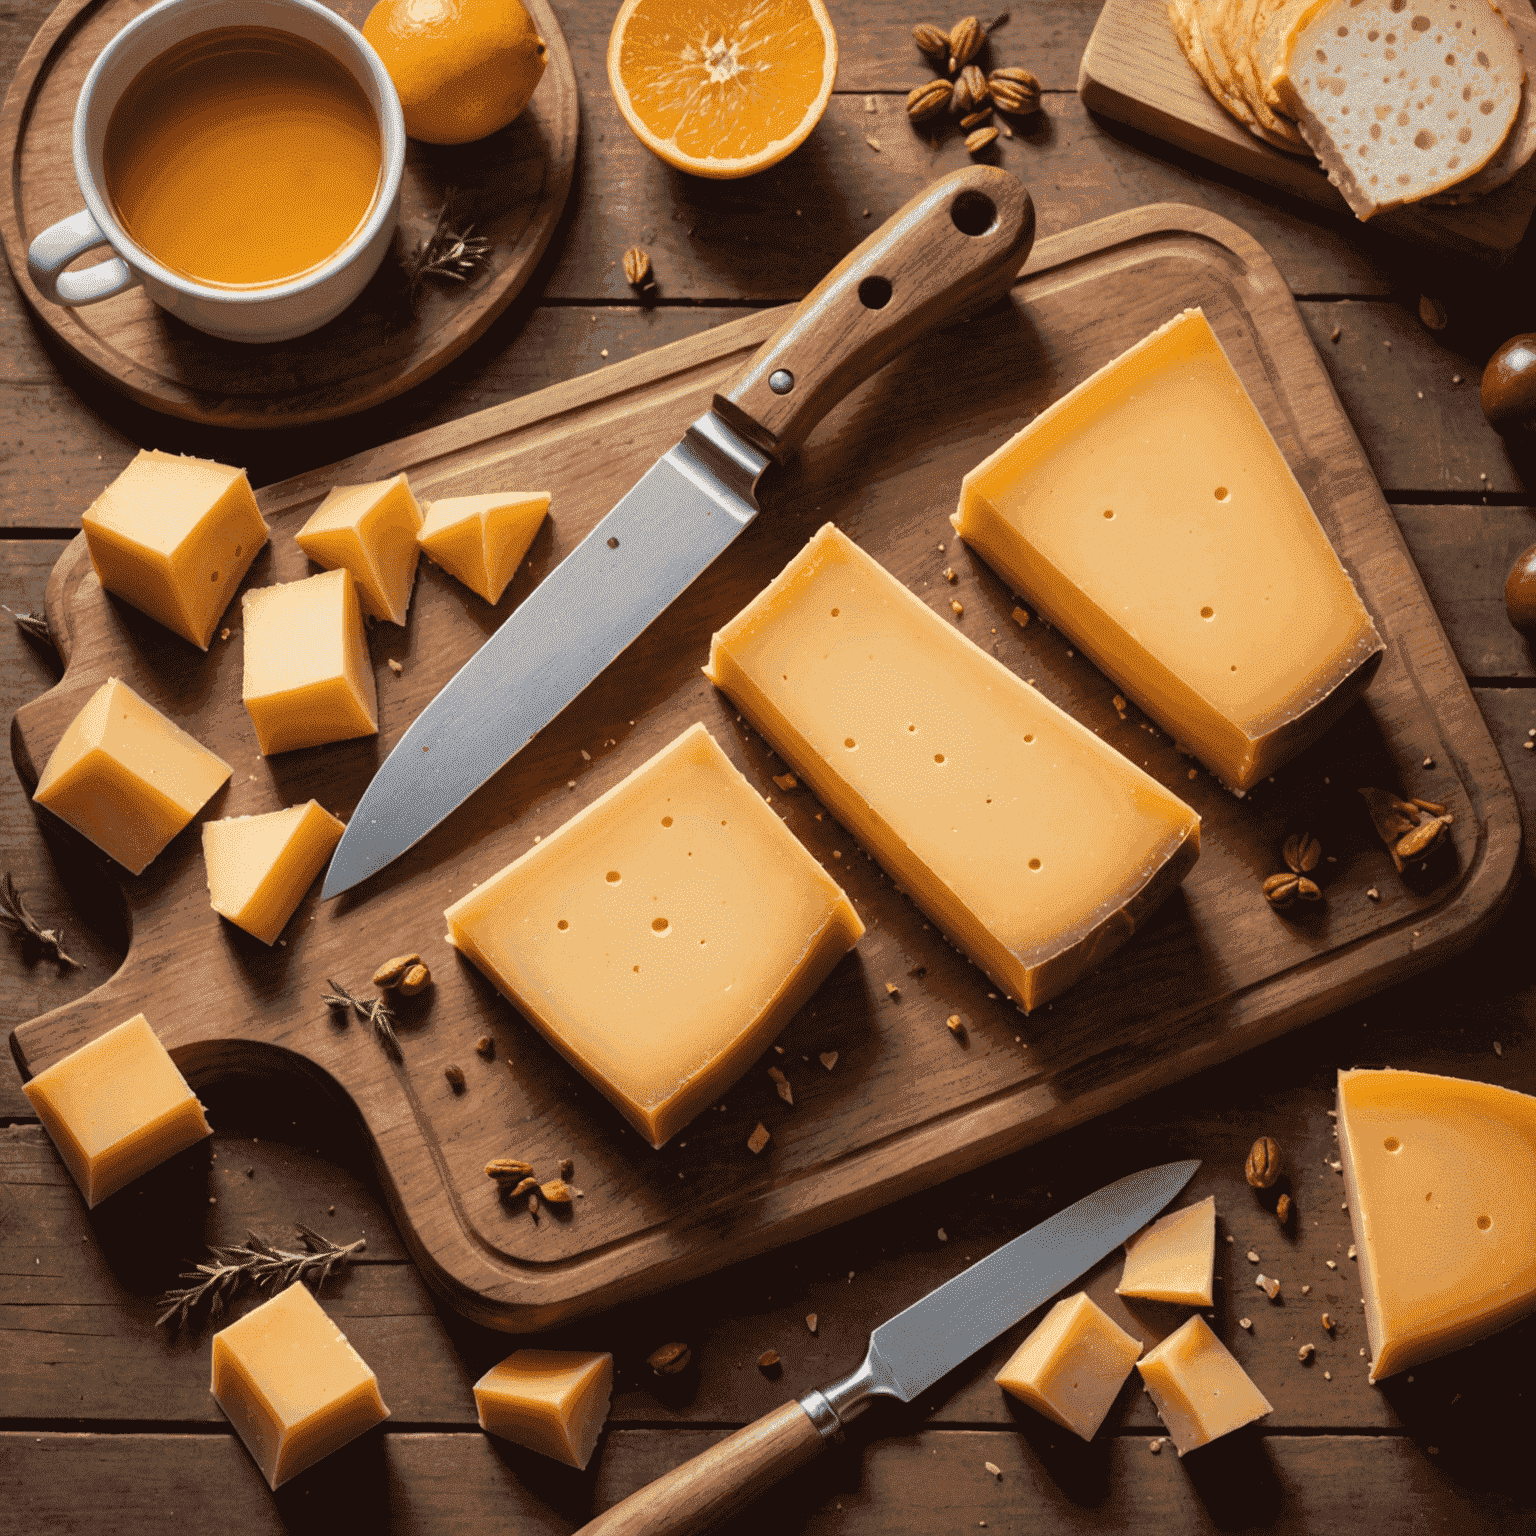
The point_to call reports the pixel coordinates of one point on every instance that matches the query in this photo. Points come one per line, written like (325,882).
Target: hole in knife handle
(875,292)
(974,213)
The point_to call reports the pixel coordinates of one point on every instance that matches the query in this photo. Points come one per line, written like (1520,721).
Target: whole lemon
(463,68)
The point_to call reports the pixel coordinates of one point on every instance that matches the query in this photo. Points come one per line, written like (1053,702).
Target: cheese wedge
(1174,1259)
(259,867)
(1200,1392)
(1439,1174)
(1152,518)
(369,530)
(554,1401)
(480,539)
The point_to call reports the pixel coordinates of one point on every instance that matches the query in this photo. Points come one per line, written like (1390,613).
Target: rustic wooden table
(107,1423)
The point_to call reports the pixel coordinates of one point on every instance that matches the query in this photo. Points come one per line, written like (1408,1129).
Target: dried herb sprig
(15,917)
(447,252)
(268,1268)
(33,625)
(376,1012)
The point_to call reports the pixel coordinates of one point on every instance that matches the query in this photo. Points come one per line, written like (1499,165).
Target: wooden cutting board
(907,1103)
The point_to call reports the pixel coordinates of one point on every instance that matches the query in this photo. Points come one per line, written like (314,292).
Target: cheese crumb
(810,1321)
(395,666)
(1245,1322)
(1020,617)
(957,606)
(993,1468)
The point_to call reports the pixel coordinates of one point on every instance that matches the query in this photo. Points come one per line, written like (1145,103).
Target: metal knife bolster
(830,1408)
(712,454)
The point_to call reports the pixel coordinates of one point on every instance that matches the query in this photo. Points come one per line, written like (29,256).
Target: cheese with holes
(1073,1365)
(1152,518)
(554,1401)
(308,677)
(1199,1390)
(174,536)
(1034,846)
(292,1385)
(1174,1259)
(1439,1174)
(259,867)
(480,539)
(369,530)
(116,1108)
(126,777)
(663,936)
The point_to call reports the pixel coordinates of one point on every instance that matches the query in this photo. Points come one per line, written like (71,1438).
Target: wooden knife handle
(701,1492)
(952,251)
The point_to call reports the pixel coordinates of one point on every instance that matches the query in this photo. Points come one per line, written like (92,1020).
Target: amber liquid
(242,157)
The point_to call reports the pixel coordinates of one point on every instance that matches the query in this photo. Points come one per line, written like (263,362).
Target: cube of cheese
(1174,1259)
(554,1401)
(259,867)
(369,530)
(1152,518)
(116,1108)
(308,677)
(480,539)
(292,1385)
(1034,846)
(1072,1366)
(1198,1389)
(174,536)
(126,777)
(663,936)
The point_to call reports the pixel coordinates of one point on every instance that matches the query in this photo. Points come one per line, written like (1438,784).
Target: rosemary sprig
(33,625)
(447,252)
(15,917)
(376,1012)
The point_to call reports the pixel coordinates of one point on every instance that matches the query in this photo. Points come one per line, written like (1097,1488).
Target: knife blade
(950,252)
(906,1356)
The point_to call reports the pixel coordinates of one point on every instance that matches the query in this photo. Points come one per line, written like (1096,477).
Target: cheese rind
(481,539)
(259,867)
(369,530)
(116,1108)
(1174,1259)
(554,1401)
(1150,515)
(1198,1388)
(663,936)
(1033,845)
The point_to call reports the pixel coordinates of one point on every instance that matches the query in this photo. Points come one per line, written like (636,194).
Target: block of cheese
(174,536)
(369,530)
(126,777)
(1174,1259)
(259,867)
(554,1401)
(308,678)
(663,936)
(1198,1389)
(1152,518)
(1034,846)
(292,1385)
(116,1108)
(1439,1174)
(480,539)
(1072,1366)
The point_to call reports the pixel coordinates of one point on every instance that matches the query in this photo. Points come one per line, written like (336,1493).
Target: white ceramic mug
(273,312)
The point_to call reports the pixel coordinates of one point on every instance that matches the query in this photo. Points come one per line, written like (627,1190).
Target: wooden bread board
(907,1103)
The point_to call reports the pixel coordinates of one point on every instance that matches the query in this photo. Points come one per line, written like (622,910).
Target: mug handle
(57,246)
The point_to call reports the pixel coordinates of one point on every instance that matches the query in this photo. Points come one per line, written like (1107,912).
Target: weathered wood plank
(1511,717)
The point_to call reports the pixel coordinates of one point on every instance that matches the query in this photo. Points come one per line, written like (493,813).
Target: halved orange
(722,87)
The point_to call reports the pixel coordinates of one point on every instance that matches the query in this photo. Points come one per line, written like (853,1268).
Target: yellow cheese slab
(1174,1259)
(126,777)
(1440,1175)
(308,678)
(1152,518)
(480,539)
(554,1401)
(369,530)
(259,867)
(174,536)
(1200,1392)
(292,1385)
(1033,845)
(663,936)
(116,1108)
(1072,1366)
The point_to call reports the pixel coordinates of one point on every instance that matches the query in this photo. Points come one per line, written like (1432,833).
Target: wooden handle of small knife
(695,1496)
(952,251)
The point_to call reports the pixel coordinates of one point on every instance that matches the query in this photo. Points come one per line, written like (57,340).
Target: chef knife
(906,1356)
(950,252)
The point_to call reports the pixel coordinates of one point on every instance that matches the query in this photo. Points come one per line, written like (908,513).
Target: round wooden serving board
(511,186)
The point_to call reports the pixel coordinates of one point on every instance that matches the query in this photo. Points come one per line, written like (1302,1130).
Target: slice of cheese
(1439,1174)
(554,1401)
(259,867)
(1035,847)
(174,536)
(369,530)
(126,777)
(480,539)
(1174,1259)
(116,1108)
(292,1385)
(663,936)
(1072,1366)
(1199,1390)
(1152,518)
(308,679)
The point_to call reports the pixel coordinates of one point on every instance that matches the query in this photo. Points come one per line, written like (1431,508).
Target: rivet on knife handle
(951,252)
